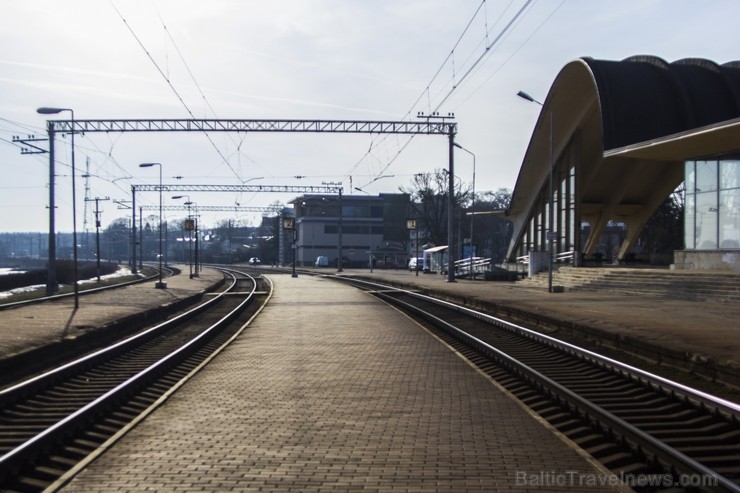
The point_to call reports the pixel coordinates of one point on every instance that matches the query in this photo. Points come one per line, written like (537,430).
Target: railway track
(50,424)
(654,434)
(85,290)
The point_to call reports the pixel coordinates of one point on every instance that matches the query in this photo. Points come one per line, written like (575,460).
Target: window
(712,208)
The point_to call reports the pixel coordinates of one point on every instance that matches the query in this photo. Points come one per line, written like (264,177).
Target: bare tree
(429,193)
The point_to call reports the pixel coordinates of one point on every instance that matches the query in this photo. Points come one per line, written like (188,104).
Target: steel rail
(42,440)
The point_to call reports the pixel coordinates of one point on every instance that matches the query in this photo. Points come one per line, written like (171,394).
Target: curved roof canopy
(628,126)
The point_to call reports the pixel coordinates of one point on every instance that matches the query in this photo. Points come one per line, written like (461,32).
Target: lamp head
(148,165)
(529,98)
(46,110)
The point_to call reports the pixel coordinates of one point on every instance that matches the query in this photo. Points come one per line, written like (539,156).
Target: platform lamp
(472,207)
(289,225)
(369,225)
(161,284)
(54,111)
(189,227)
(551,235)
(412,225)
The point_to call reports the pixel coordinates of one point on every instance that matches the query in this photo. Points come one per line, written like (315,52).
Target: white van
(322,261)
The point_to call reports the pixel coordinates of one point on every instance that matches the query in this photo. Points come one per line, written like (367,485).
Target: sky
(300,59)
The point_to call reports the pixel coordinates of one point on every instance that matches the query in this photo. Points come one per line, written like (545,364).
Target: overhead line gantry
(426,125)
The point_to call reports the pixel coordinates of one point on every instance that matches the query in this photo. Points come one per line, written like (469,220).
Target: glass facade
(534,236)
(712,208)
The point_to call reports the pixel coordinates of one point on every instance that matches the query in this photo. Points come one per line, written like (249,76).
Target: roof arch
(601,112)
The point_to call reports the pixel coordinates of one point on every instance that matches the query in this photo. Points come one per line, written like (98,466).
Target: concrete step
(703,285)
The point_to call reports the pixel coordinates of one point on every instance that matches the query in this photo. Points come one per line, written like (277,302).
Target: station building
(614,139)
(370,227)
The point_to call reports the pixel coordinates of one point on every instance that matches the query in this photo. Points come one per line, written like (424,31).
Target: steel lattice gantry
(422,127)
(234,188)
(213,208)
(431,125)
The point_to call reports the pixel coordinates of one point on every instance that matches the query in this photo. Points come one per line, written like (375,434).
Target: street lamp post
(369,226)
(196,258)
(161,284)
(472,206)
(370,214)
(551,234)
(189,228)
(141,240)
(54,111)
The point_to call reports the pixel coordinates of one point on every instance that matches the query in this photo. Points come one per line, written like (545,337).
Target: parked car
(255,261)
(322,261)
(416,263)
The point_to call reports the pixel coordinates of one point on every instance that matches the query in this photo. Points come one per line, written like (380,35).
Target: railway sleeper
(41,411)
(728,451)
(66,461)
(26,483)
(730,472)
(575,430)
(30,421)
(591,385)
(59,403)
(47,473)
(673,409)
(88,441)
(617,460)
(546,407)
(714,430)
(695,439)
(605,449)
(10,431)
(588,439)
(670,422)
(73,453)
(626,404)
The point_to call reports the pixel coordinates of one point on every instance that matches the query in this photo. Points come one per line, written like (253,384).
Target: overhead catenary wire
(202,94)
(455,81)
(521,45)
(172,87)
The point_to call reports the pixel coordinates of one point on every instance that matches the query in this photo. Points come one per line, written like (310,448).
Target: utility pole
(85,211)
(339,219)
(97,229)
(451,131)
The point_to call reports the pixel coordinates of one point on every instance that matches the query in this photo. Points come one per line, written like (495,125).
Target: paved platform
(332,390)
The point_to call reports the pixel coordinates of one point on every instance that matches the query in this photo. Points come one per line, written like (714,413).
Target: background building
(367,224)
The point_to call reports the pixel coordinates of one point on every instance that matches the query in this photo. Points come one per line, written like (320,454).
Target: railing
(480,265)
(560,258)
(565,257)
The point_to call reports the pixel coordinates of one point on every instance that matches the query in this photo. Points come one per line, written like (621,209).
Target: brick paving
(331,390)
